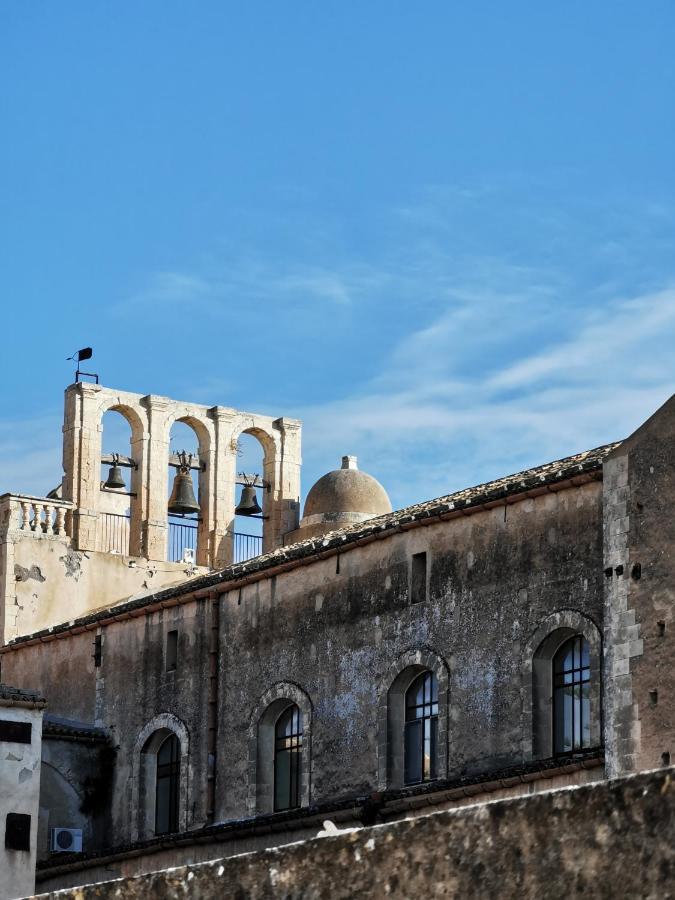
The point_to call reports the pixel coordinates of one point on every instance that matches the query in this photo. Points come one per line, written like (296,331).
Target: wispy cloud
(428,424)
(30,450)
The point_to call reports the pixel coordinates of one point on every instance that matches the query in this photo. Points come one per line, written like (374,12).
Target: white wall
(19,793)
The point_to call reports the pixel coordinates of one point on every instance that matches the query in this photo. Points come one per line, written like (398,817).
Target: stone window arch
(269,712)
(404,675)
(161,753)
(540,654)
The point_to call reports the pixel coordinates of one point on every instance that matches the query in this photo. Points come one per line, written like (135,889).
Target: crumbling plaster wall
(493,577)
(19,793)
(639,525)
(47,582)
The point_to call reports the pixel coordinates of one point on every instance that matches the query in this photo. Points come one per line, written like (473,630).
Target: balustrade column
(48,526)
(25,515)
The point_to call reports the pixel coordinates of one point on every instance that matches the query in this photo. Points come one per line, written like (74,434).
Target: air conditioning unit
(66,840)
(188,556)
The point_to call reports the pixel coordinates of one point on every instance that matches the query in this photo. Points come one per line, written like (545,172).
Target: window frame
(167,776)
(421,718)
(288,743)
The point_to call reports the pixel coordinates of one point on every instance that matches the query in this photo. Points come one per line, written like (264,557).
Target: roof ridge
(552,472)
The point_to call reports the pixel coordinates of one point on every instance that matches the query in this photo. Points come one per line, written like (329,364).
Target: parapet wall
(606,840)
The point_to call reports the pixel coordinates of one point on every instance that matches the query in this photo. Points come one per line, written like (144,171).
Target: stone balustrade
(35,515)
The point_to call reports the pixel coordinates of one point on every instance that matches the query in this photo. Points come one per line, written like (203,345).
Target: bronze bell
(115,479)
(248,504)
(182,500)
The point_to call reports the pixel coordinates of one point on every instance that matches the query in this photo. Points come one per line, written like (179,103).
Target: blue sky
(441,234)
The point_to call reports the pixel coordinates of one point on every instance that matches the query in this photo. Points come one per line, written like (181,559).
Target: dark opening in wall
(15,732)
(17,831)
(171,651)
(98,650)
(418,578)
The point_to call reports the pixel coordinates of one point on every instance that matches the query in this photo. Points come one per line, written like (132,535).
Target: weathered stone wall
(138,694)
(165,854)
(639,489)
(607,840)
(341,638)
(337,632)
(62,670)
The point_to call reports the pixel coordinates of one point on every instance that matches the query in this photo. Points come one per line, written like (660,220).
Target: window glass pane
(413,752)
(571,696)
(287,759)
(419,751)
(282,780)
(586,716)
(163,806)
(434,751)
(167,784)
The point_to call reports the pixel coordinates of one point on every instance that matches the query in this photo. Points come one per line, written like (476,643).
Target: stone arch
(143,773)
(391,713)
(536,667)
(261,744)
(202,428)
(136,418)
(270,441)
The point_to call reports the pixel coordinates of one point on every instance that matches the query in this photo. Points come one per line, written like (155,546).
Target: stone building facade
(473,597)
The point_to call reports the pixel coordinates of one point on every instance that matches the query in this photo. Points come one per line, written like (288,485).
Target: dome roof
(345,495)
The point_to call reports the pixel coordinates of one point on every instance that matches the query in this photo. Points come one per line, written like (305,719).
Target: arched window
(287,759)
(421,730)
(167,786)
(280,740)
(562,681)
(571,696)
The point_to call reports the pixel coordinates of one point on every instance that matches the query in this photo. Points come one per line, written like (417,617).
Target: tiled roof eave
(554,476)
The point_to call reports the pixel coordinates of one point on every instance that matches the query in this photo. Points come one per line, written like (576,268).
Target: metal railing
(114,533)
(182,535)
(246,546)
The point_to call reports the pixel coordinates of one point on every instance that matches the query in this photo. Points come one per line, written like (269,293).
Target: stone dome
(345,496)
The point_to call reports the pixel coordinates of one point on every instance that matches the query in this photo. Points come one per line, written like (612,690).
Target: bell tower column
(82,461)
(156,461)
(225,472)
(283,473)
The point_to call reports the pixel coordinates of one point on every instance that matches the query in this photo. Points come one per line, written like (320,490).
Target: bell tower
(150,418)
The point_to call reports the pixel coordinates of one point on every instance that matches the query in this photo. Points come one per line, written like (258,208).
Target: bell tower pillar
(82,461)
(154,480)
(282,472)
(225,473)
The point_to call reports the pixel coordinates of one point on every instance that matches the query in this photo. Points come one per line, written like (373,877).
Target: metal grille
(115,533)
(181,535)
(246,546)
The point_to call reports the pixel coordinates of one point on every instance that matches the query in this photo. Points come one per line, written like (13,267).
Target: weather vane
(84,353)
